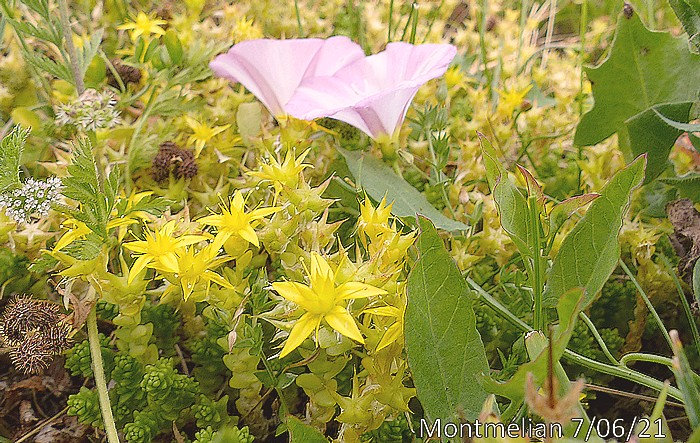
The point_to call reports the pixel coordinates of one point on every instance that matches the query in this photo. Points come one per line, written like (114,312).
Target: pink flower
(373,93)
(273,69)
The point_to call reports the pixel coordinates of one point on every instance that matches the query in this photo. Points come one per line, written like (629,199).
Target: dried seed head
(23,314)
(57,336)
(32,355)
(171,157)
(128,74)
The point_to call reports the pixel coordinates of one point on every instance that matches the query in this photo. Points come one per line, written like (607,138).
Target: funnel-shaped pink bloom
(273,69)
(373,93)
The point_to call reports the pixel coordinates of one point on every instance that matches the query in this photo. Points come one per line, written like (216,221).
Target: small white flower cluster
(33,199)
(91,111)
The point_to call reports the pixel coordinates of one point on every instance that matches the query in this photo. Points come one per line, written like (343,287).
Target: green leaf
(443,346)
(644,68)
(590,252)
(300,432)
(85,186)
(568,308)
(379,180)
(650,134)
(688,185)
(511,203)
(11,148)
(686,382)
(688,12)
(685,127)
(562,211)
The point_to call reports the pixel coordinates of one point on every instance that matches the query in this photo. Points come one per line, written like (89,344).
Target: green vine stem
(100,382)
(536,263)
(616,371)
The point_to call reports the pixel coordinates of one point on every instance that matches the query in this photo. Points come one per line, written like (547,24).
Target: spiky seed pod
(23,314)
(32,355)
(128,74)
(57,336)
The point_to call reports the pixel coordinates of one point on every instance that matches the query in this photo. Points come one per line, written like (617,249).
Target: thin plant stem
(616,371)
(72,54)
(100,382)
(550,30)
(391,20)
(296,10)
(523,21)
(538,318)
(648,303)
(626,359)
(684,302)
(432,20)
(414,27)
(598,338)
(482,44)
(582,54)
(408,20)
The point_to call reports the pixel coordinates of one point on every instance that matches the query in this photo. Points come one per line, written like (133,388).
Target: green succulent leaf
(643,69)
(11,148)
(444,348)
(590,252)
(378,180)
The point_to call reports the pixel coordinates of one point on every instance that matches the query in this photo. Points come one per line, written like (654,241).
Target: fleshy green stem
(100,382)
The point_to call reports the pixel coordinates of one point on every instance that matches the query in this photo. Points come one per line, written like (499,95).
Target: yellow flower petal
(390,336)
(216,278)
(320,267)
(301,330)
(296,293)
(357,290)
(341,320)
(248,234)
(138,266)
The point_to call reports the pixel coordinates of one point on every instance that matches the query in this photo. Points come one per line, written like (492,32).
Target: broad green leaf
(11,148)
(688,185)
(590,252)
(568,308)
(562,211)
(511,203)
(685,127)
(644,68)
(443,346)
(300,432)
(379,180)
(650,134)
(688,12)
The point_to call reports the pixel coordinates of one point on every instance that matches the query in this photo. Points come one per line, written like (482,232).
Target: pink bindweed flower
(273,69)
(373,93)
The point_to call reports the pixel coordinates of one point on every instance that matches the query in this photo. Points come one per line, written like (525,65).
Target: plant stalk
(72,54)
(100,382)
(538,319)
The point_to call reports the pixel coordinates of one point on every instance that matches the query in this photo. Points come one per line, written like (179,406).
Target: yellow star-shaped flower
(234,221)
(159,249)
(143,25)
(202,133)
(323,300)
